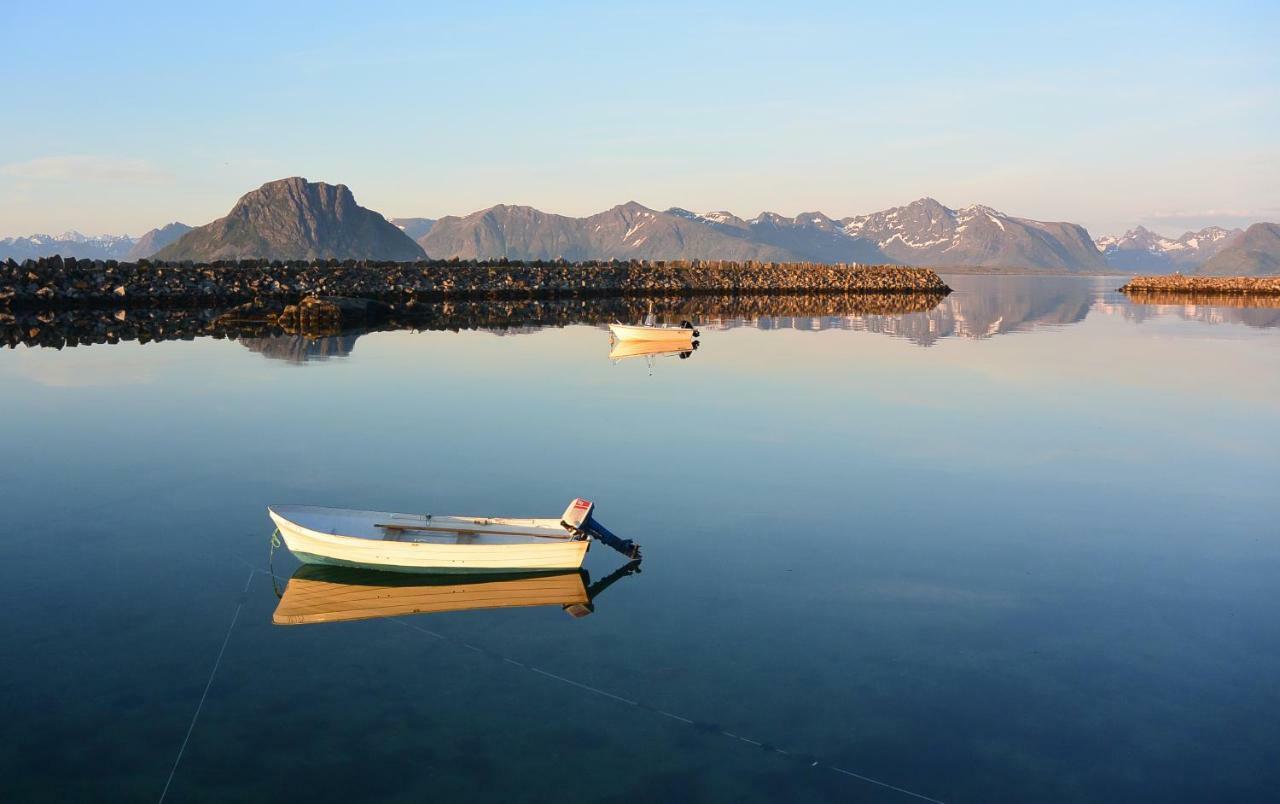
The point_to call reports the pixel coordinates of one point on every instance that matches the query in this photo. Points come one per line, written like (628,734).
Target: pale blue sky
(121,118)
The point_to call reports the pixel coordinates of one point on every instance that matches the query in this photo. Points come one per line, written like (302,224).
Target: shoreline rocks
(1214,285)
(67,282)
(1205,298)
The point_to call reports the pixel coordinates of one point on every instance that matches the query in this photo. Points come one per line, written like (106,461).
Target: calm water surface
(1023,547)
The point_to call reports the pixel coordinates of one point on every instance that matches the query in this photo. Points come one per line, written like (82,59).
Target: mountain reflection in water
(300,348)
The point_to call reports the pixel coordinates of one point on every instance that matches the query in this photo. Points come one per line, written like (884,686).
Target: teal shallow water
(1022,547)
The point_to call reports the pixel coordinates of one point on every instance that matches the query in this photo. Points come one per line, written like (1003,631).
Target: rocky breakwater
(1206,285)
(63,282)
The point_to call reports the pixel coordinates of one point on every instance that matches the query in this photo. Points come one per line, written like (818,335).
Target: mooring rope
(708,728)
(217,662)
(809,761)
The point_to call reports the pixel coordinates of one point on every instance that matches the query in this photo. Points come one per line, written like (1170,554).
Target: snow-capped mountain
(925,232)
(68,244)
(808,236)
(1253,252)
(1141,249)
(627,231)
(922,233)
(100,247)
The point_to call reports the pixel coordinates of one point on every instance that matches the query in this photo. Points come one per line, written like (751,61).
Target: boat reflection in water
(649,350)
(320,593)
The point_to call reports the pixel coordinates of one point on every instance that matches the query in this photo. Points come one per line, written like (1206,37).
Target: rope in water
(217,662)
(699,726)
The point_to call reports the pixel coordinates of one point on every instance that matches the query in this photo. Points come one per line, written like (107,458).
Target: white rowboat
(441,544)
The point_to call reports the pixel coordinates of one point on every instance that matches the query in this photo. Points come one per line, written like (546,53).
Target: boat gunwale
(473,526)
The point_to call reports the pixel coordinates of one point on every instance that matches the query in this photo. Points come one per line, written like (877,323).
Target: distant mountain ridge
(627,231)
(68,244)
(1142,250)
(1256,252)
(808,236)
(413,227)
(921,233)
(156,239)
(294,219)
(927,233)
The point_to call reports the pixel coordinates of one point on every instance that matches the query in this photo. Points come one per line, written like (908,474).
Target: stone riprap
(1205,299)
(56,282)
(1221,285)
(76,326)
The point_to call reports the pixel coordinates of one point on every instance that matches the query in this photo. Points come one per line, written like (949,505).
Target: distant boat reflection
(326,594)
(622,350)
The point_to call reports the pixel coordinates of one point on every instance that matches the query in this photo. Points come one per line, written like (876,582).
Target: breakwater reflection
(276,336)
(1251,311)
(980,307)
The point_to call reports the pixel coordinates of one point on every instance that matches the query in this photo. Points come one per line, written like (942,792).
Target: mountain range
(296,219)
(103,247)
(627,231)
(68,244)
(1143,251)
(156,239)
(1254,252)
(921,233)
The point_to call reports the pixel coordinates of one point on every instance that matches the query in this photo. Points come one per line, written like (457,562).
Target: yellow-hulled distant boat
(627,332)
(651,331)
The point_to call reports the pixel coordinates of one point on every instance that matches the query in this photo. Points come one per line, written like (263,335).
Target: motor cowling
(578,520)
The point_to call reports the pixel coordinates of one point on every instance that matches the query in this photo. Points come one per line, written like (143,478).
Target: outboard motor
(686,324)
(577,518)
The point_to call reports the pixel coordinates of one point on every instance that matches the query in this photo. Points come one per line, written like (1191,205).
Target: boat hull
(625,332)
(436,556)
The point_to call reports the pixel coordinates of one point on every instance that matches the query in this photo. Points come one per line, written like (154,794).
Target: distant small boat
(650,331)
(425,543)
(628,332)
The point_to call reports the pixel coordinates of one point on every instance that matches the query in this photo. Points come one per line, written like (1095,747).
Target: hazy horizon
(1153,116)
